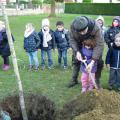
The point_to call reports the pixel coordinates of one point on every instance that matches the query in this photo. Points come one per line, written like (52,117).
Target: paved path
(11,12)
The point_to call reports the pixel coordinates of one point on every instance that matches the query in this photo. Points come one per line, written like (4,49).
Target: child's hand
(90,65)
(83,60)
(78,56)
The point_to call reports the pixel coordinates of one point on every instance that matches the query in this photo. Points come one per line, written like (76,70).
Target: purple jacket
(88,55)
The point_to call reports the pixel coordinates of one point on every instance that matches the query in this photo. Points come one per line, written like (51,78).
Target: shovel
(90,75)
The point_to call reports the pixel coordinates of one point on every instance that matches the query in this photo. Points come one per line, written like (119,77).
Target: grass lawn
(51,83)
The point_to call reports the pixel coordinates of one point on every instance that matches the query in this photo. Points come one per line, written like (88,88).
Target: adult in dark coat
(83,28)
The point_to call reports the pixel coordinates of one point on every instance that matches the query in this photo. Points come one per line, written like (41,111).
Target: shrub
(95,8)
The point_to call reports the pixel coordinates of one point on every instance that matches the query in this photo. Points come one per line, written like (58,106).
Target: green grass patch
(51,83)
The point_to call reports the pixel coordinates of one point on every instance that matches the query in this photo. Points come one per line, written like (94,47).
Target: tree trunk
(110,1)
(52,13)
(14,60)
(30,5)
(17,4)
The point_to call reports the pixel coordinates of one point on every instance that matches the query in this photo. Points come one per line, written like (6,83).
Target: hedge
(87,1)
(93,8)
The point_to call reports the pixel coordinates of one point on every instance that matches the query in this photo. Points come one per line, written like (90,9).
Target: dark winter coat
(32,42)
(94,32)
(51,43)
(4,45)
(109,35)
(61,39)
(113,57)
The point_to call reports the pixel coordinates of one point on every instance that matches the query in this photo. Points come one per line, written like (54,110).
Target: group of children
(47,39)
(112,38)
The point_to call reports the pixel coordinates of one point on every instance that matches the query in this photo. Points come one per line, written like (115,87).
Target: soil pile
(96,105)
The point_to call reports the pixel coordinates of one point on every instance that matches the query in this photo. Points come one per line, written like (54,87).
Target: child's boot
(37,68)
(90,88)
(30,67)
(6,67)
(84,90)
(91,85)
(64,67)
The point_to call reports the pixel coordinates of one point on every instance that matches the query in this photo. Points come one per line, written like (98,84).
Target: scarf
(26,33)
(46,37)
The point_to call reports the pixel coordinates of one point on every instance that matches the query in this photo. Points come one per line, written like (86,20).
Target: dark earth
(95,105)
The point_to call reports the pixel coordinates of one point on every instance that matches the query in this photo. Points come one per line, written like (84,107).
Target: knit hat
(45,22)
(117,18)
(80,23)
(100,18)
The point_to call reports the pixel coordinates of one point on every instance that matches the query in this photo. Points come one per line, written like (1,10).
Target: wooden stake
(14,60)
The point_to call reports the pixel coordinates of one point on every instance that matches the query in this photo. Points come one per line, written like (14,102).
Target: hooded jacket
(61,39)
(51,43)
(4,45)
(31,42)
(113,57)
(109,35)
(102,25)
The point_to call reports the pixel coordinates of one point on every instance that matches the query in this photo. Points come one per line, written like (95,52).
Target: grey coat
(94,32)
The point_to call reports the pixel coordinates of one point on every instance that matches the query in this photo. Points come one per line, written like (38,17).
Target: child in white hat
(47,43)
(100,21)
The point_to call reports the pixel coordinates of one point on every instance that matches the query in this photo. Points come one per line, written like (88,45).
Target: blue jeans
(62,53)
(114,77)
(33,57)
(43,57)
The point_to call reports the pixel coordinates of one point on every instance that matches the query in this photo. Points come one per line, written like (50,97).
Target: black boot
(75,73)
(72,84)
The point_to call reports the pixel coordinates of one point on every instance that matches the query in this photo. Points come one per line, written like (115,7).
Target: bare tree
(110,1)
(52,13)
